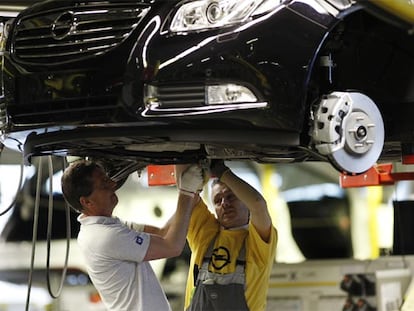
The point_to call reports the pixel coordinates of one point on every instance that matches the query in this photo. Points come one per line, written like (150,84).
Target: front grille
(73,33)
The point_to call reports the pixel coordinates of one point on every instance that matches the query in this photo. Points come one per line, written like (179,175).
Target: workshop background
(326,232)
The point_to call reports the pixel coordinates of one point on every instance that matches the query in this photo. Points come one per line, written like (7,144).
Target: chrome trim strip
(189,111)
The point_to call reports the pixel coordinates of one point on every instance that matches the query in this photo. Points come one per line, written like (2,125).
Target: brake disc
(348,128)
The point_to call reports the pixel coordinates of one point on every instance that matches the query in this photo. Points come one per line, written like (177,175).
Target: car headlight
(206,14)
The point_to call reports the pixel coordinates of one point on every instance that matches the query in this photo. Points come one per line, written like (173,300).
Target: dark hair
(77,182)
(216,181)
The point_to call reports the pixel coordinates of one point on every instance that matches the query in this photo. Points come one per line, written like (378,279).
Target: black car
(135,82)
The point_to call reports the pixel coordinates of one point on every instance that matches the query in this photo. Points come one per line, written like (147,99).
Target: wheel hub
(360,133)
(349,129)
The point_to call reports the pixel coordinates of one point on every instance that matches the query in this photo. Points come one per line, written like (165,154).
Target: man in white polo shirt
(117,253)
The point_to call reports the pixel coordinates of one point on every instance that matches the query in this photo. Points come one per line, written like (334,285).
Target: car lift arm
(378,175)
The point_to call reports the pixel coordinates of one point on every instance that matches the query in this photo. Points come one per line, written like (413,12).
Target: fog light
(229,94)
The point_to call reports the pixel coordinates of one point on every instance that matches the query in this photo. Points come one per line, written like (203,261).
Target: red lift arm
(378,175)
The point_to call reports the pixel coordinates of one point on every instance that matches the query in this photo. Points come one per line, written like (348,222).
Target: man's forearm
(177,226)
(244,191)
(255,202)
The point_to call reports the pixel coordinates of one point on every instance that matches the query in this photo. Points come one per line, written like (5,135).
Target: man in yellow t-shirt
(239,243)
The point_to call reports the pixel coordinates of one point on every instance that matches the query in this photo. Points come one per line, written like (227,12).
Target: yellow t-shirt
(260,255)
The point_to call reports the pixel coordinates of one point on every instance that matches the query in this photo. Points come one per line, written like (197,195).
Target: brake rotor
(349,129)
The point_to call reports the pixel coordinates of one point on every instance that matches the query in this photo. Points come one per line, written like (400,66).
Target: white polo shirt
(114,254)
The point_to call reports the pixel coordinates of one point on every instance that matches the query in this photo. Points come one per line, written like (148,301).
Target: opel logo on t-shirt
(220,257)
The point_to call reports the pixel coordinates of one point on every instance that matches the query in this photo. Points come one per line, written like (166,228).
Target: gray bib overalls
(220,292)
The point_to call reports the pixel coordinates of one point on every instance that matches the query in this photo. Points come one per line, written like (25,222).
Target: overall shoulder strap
(241,259)
(209,252)
(206,260)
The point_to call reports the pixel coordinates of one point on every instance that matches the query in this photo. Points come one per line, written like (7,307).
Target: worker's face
(230,211)
(103,199)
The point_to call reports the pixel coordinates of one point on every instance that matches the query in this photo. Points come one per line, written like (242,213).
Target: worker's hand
(190,179)
(217,168)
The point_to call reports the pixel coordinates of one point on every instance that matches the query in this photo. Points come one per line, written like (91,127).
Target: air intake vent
(68,34)
(181,96)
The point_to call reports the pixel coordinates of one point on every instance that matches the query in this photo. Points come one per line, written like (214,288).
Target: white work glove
(191,180)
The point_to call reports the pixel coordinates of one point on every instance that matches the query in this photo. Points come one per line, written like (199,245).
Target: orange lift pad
(161,175)
(378,175)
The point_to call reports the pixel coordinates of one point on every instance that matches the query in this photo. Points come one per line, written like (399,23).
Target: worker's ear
(85,202)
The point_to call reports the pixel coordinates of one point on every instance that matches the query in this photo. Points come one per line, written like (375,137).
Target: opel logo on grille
(63,25)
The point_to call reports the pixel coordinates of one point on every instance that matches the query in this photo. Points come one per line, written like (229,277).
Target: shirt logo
(220,257)
(139,240)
